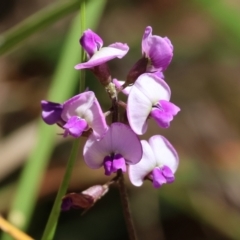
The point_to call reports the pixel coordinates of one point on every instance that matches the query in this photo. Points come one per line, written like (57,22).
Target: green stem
(36,22)
(53,218)
(83,55)
(60,89)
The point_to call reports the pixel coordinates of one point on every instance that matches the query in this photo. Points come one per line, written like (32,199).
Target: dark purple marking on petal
(51,112)
(75,126)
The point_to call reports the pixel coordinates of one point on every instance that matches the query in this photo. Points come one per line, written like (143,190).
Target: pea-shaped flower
(97,55)
(158,164)
(76,115)
(149,97)
(117,148)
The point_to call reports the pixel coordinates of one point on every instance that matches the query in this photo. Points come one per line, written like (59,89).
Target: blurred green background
(204,76)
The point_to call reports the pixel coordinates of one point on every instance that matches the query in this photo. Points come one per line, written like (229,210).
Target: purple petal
(139,171)
(168,174)
(160,74)
(105,54)
(125,142)
(75,126)
(107,164)
(158,178)
(91,42)
(86,106)
(118,163)
(164,152)
(146,35)
(146,91)
(159,50)
(119,139)
(51,112)
(164,112)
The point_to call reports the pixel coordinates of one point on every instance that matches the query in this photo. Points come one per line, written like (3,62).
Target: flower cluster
(117,147)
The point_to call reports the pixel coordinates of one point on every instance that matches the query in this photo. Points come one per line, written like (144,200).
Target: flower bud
(139,68)
(85,199)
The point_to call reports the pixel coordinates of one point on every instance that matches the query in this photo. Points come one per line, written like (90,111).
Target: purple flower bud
(91,42)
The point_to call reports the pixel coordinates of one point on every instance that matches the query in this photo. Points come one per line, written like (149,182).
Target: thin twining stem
(126,207)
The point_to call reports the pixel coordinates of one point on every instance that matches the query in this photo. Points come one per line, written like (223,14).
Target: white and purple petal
(86,106)
(139,171)
(105,54)
(147,91)
(164,152)
(119,139)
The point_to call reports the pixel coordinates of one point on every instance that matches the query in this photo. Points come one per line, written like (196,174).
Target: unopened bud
(85,199)
(139,68)
(102,73)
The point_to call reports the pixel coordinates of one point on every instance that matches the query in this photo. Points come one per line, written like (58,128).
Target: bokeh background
(204,76)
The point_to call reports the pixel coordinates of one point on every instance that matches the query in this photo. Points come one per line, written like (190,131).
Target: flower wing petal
(153,87)
(139,171)
(86,106)
(164,152)
(138,109)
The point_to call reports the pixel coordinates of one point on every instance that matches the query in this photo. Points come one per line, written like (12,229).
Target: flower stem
(53,218)
(83,55)
(125,204)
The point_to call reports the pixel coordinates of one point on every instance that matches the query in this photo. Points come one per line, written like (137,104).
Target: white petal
(95,151)
(164,152)
(78,105)
(138,172)
(138,110)
(153,87)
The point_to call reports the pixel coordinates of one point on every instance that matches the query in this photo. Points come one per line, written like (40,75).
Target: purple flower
(158,164)
(118,147)
(158,50)
(76,115)
(98,55)
(149,96)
